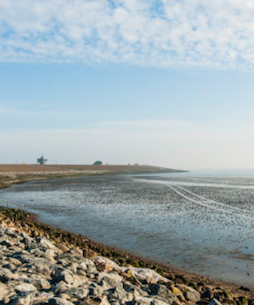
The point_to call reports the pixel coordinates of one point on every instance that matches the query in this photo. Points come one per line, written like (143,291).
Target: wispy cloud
(215,34)
(13,112)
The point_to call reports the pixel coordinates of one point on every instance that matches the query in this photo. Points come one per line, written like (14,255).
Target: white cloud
(213,34)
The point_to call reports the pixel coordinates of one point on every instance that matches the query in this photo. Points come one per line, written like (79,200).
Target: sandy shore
(230,292)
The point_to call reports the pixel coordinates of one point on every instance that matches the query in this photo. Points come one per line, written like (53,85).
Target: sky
(166,83)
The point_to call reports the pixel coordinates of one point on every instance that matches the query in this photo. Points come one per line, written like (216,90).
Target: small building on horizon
(98,163)
(42,160)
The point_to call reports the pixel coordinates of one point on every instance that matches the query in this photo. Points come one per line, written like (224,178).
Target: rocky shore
(44,265)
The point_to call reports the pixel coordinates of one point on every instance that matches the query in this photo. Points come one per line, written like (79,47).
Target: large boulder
(6,275)
(189,293)
(76,292)
(5,291)
(92,300)
(192,295)
(95,290)
(25,287)
(111,280)
(87,266)
(64,275)
(215,302)
(59,301)
(163,292)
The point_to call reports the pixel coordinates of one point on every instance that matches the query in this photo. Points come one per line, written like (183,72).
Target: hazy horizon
(164,83)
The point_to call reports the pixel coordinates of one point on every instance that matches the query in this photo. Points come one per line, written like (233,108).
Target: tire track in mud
(199,202)
(213,201)
(202,201)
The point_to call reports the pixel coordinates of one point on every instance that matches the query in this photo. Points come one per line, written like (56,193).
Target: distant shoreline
(25,168)
(19,173)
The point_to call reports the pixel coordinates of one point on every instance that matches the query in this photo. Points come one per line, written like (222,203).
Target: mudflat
(207,288)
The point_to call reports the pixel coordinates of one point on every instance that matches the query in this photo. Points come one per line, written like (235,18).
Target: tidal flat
(198,222)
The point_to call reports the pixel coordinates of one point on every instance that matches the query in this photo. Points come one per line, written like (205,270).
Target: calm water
(201,222)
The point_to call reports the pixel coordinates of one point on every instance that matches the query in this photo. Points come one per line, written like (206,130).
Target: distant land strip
(7,168)
(20,173)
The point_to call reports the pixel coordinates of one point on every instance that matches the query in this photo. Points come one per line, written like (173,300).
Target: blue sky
(166,83)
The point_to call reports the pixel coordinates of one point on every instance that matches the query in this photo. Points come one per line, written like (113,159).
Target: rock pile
(33,270)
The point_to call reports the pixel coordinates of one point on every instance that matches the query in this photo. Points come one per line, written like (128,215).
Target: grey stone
(6,275)
(14,261)
(27,258)
(192,295)
(158,302)
(91,300)
(47,295)
(71,256)
(140,301)
(81,272)
(114,302)
(27,240)
(11,233)
(10,267)
(25,287)
(7,243)
(111,281)
(215,302)
(95,290)
(128,287)
(23,299)
(59,301)
(87,265)
(77,253)
(40,283)
(65,276)
(2,230)
(62,262)
(72,267)
(146,301)
(41,268)
(79,293)
(4,291)
(45,244)
(118,293)
(60,288)
(36,252)
(49,255)
(163,292)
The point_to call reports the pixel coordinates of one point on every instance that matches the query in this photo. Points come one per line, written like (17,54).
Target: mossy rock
(180,278)
(192,284)
(243,300)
